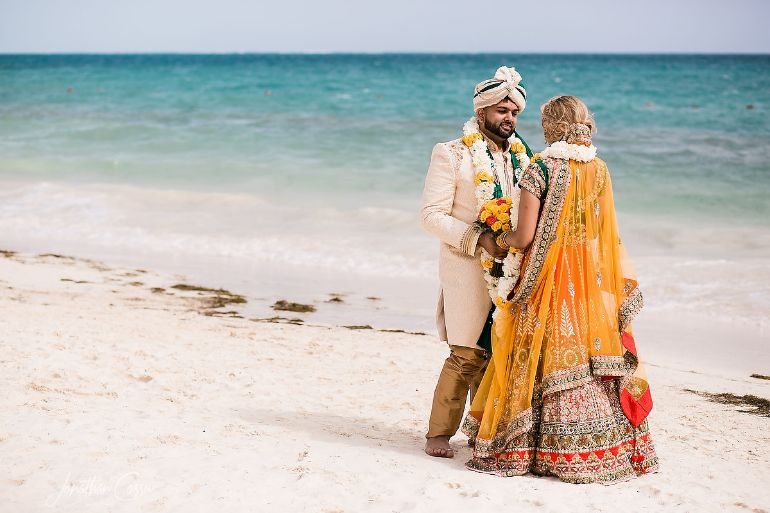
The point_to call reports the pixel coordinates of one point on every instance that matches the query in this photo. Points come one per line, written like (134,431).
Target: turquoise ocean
(300,175)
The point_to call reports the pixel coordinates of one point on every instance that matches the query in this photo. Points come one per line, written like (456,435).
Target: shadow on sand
(361,432)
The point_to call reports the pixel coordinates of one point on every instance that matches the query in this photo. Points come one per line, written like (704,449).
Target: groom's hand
(487,241)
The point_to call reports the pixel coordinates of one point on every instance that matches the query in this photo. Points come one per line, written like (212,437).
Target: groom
(449,208)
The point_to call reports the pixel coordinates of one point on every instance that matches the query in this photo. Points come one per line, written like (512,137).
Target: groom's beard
(498,129)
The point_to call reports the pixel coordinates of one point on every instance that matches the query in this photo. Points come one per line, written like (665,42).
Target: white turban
(505,84)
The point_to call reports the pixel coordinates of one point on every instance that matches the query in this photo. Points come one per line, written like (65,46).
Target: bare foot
(438,446)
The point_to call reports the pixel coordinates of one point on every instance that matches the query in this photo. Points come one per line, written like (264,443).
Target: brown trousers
(462,372)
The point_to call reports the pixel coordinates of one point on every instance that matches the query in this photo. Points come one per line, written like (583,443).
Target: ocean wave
(734,290)
(121,218)
(679,268)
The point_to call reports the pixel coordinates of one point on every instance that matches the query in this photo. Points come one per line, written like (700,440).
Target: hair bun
(579,133)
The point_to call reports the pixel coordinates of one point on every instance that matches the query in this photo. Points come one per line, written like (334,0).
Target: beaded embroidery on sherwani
(456,151)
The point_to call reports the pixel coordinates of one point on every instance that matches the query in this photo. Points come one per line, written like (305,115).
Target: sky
(321,26)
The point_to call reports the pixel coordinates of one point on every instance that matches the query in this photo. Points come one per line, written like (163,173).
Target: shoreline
(682,337)
(241,242)
(123,398)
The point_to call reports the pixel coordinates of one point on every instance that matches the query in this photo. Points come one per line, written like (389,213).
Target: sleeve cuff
(531,187)
(470,239)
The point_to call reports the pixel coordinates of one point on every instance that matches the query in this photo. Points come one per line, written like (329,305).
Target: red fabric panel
(629,343)
(636,411)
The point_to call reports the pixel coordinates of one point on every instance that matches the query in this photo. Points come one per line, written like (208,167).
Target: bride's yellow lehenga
(564,393)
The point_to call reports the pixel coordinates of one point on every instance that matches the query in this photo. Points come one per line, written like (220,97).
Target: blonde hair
(562,117)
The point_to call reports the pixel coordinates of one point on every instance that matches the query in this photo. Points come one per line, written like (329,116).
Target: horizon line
(322,53)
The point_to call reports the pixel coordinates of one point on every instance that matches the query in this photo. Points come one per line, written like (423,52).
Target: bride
(564,393)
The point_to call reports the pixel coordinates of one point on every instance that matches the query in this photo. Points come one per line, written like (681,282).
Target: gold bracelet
(500,240)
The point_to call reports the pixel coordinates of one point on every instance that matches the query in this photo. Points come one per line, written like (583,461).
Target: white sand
(116,398)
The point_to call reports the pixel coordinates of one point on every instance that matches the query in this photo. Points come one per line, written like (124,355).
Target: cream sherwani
(449,208)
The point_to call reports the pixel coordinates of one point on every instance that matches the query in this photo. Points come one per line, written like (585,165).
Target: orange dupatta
(571,313)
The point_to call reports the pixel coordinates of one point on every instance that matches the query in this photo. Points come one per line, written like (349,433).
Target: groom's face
(500,119)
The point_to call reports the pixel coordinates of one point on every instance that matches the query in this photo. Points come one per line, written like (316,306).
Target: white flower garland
(499,288)
(565,150)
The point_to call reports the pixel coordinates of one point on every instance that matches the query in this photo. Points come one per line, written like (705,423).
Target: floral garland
(499,288)
(565,150)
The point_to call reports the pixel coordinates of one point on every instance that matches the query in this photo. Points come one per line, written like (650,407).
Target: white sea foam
(679,268)
(120,218)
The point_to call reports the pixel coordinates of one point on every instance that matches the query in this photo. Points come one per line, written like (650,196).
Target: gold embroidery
(533,180)
(630,307)
(467,238)
(598,187)
(456,151)
(566,327)
(546,227)
(578,434)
